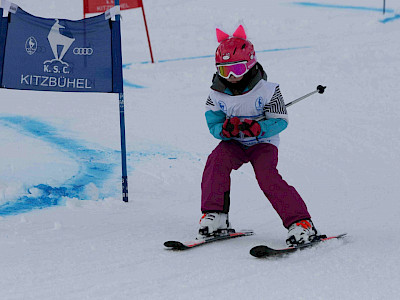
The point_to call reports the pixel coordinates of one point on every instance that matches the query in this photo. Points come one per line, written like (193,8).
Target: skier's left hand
(250,128)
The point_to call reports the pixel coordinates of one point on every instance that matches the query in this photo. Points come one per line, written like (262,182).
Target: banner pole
(122,130)
(123,147)
(147,32)
(85,4)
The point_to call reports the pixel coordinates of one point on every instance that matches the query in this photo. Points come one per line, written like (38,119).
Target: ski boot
(301,232)
(214,223)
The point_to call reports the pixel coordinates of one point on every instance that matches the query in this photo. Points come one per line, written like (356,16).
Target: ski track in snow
(95,167)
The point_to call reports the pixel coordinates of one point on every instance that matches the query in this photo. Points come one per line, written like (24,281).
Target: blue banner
(60,55)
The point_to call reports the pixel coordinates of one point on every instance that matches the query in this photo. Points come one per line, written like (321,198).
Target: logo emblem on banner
(31,45)
(57,39)
(59,44)
(83,51)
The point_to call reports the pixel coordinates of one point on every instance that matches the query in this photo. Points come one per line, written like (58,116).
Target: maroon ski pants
(229,155)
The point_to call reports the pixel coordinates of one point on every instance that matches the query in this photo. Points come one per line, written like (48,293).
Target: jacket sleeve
(215,119)
(276,115)
(272,127)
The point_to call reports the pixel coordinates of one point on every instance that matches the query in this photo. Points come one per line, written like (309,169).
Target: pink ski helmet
(235,48)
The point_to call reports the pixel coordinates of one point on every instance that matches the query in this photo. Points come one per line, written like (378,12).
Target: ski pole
(320,89)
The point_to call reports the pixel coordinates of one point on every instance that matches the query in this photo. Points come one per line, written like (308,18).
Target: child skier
(247,113)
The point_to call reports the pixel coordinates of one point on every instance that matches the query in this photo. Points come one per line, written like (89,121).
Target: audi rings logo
(83,51)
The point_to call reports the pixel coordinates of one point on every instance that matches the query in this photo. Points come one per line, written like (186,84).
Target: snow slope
(65,232)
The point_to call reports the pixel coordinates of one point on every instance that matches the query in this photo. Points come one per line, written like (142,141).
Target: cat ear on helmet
(221,35)
(239,32)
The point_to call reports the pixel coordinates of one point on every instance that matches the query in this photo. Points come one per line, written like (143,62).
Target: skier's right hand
(250,128)
(230,128)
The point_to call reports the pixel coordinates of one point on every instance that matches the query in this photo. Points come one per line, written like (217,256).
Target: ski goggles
(236,69)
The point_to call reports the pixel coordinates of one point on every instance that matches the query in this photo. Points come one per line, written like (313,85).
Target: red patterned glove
(230,128)
(250,128)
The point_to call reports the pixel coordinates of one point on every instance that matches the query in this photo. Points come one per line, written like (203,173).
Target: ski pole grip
(321,89)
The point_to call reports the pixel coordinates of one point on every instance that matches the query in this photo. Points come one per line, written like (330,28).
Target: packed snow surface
(65,232)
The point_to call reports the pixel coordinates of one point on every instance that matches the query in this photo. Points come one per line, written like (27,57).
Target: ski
(265,251)
(176,245)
